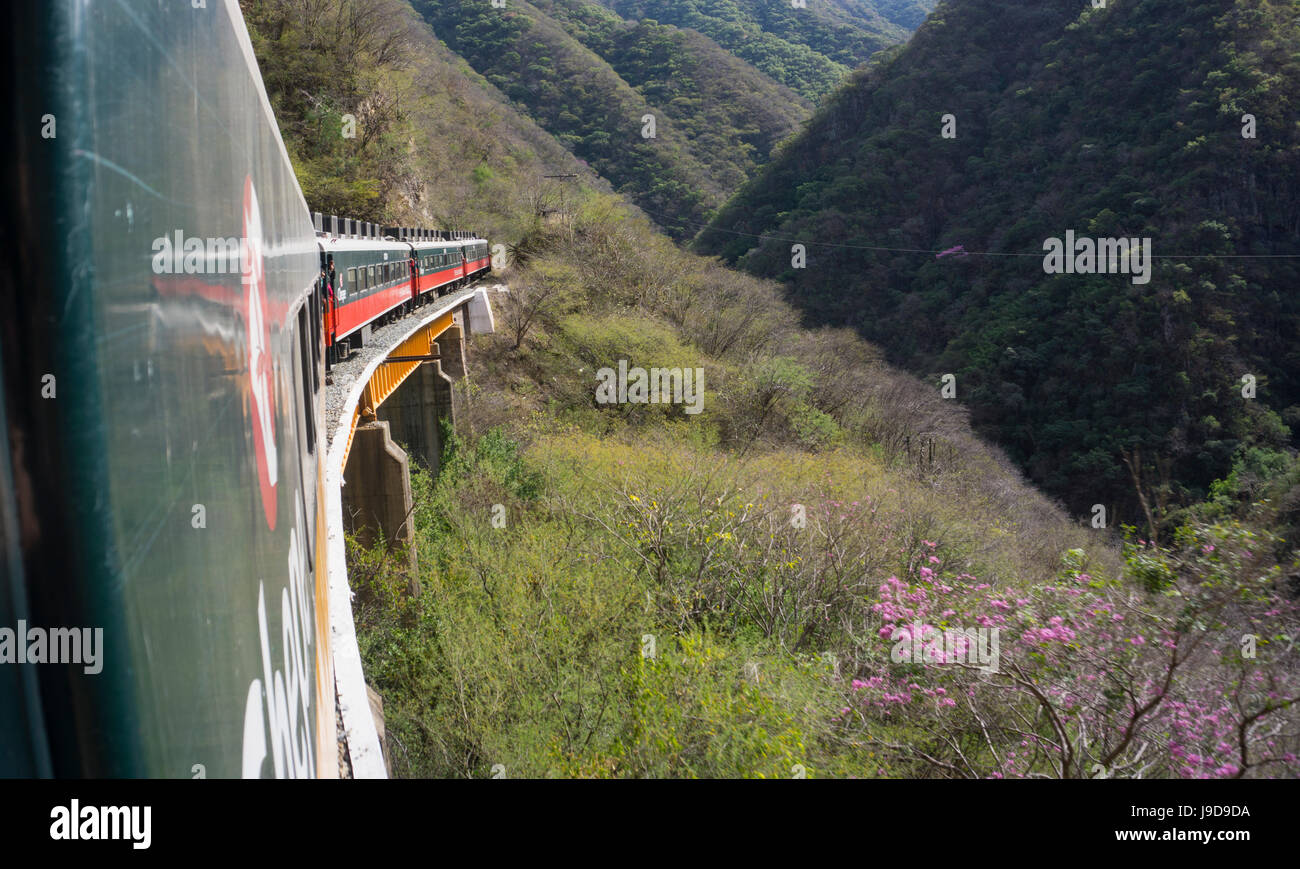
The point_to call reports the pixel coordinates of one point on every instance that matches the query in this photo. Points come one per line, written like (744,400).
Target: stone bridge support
(377,503)
(377,497)
(415,410)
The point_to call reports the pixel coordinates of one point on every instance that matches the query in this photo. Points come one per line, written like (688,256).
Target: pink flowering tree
(1183,668)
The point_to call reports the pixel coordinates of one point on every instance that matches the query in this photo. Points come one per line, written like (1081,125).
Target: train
(166,324)
(370,275)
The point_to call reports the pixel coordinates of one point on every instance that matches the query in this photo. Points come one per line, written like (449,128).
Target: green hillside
(1119,122)
(809,49)
(431,143)
(591,79)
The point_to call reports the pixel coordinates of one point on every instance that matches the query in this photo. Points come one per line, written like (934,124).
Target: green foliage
(651,607)
(383,123)
(809,49)
(640,614)
(589,78)
(1063,122)
(702,709)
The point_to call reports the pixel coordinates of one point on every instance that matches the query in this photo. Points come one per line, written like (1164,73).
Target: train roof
(330,244)
(431,244)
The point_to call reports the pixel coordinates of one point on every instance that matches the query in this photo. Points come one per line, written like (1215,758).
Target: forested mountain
(384,123)
(809,49)
(1173,120)
(591,79)
(590,74)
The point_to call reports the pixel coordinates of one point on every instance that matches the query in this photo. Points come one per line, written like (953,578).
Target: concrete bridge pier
(416,408)
(377,502)
(377,497)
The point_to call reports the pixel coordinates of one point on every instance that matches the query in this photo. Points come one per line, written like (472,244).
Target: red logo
(261,368)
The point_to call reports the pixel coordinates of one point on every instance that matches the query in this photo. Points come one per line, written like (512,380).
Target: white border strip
(349,679)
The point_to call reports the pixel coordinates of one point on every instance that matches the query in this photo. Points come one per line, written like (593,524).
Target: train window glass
(352,277)
(315,316)
(370,277)
(307,420)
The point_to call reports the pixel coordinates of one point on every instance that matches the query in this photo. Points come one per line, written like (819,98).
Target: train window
(316,317)
(370,277)
(307,419)
(352,278)
(388,273)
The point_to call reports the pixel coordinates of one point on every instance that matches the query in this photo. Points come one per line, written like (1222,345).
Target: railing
(347,227)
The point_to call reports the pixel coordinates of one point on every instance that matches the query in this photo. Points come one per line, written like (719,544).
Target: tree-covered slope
(809,49)
(1124,121)
(731,114)
(384,123)
(590,79)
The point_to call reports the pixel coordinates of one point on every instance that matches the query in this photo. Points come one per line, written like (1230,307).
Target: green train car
(162,600)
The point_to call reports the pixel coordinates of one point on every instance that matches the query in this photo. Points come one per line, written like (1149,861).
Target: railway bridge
(384,406)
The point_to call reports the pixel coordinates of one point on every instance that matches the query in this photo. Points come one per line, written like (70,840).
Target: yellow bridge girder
(390,374)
